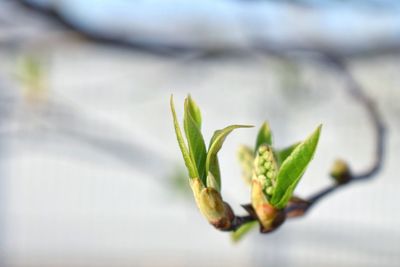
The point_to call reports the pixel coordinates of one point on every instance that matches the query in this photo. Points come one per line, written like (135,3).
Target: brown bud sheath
(269,217)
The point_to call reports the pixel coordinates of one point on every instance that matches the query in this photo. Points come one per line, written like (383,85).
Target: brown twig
(298,207)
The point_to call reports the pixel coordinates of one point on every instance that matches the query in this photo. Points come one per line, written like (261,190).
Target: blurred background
(90,171)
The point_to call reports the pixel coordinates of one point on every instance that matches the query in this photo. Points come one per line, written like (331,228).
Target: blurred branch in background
(226,25)
(334,31)
(341,172)
(340,28)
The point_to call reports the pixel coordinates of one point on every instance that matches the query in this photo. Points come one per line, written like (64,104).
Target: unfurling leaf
(194,110)
(293,168)
(264,136)
(216,142)
(185,153)
(197,147)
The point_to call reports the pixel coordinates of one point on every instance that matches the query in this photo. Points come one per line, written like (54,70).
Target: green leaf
(185,153)
(243,230)
(197,147)
(214,169)
(215,145)
(293,168)
(264,136)
(282,154)
(194,110)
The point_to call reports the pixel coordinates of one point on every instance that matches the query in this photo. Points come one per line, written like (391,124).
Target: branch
(298,207)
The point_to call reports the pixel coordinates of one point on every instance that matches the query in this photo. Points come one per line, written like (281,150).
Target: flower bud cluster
(265,169)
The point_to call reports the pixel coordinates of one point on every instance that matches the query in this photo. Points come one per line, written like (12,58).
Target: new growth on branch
(273,174)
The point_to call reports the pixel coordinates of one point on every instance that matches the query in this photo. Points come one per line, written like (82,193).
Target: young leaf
(282,154)
(214,169)
(264,136)
(185,153)
(215,145)
(197,147)
(243,230)
(293,168)
(194,110)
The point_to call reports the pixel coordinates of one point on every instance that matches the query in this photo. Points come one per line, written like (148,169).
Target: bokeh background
(90,171)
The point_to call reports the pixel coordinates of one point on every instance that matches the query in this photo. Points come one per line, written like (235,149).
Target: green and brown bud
(269,217)
(340,171)
(211,205)
(246,159)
